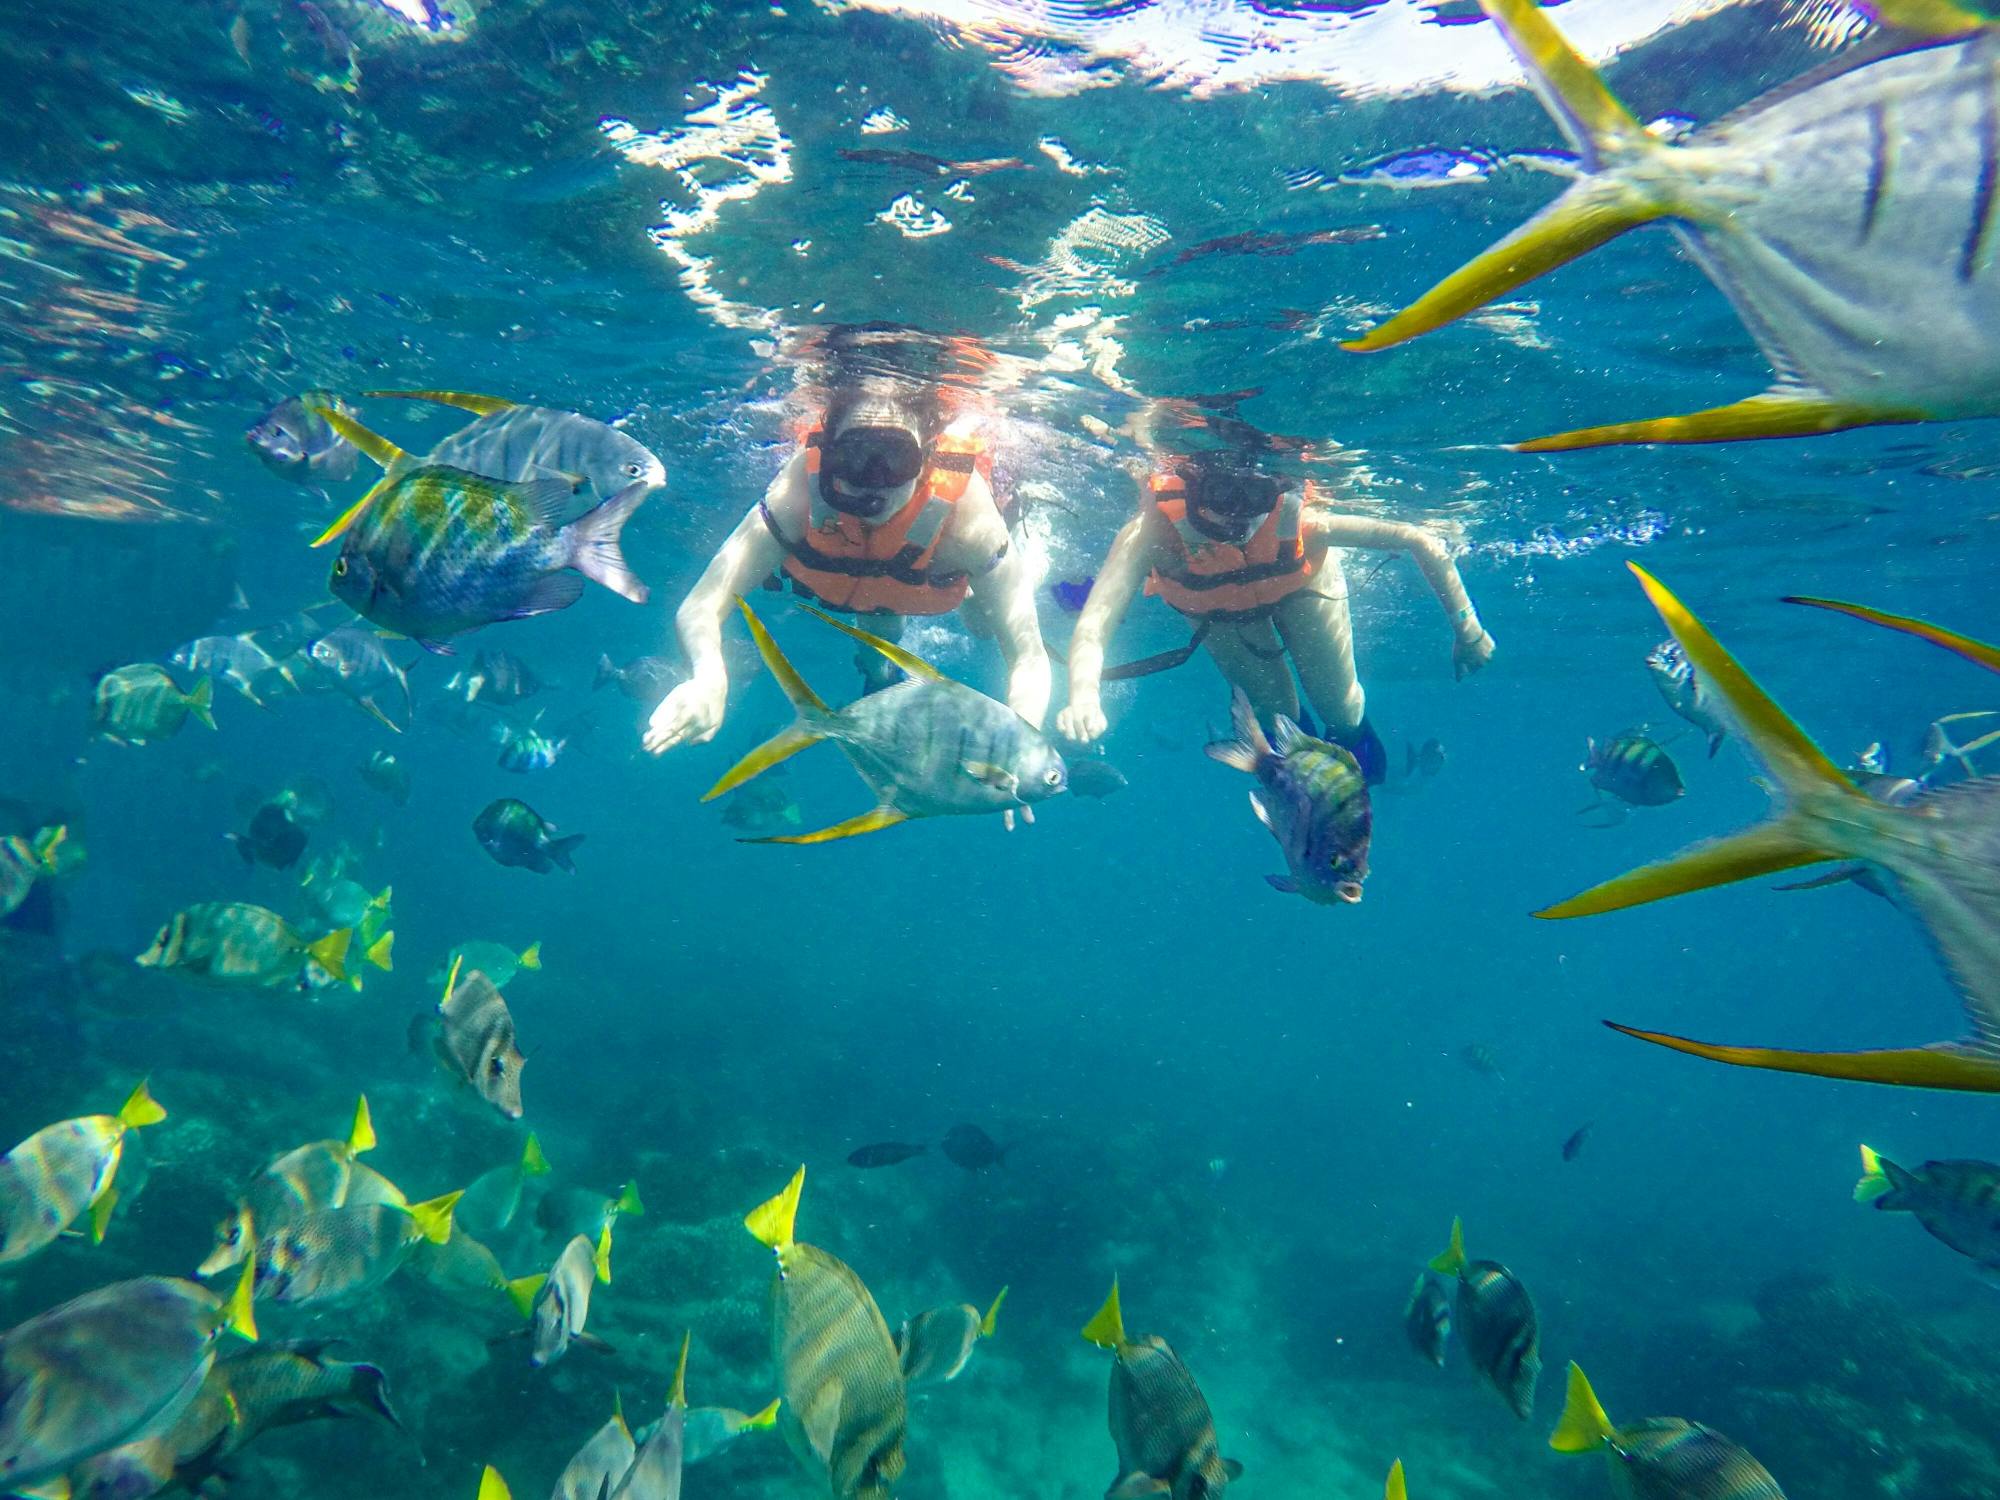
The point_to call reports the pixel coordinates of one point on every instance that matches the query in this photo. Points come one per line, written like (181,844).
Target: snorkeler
(886,509)
(1255,563)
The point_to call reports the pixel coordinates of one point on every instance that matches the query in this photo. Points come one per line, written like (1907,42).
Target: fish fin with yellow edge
(873,821)
(992,1314)
(629,1201)
(479,406)
(600,1258)
(361,1135)
(49,1489)
(530,957)
(678,1396)
(330,952)
(1785,411)
(1928,18)
(451,979)
(492,1486)
(768,1417)
(432,1217)
(523,1290)
(1395,1489)
(1977,652)
(239,1314)
(381,952)
(100,1214)
(1947,1066)
(1107,1328)
(1583,1426)
(201,702)
(387,455)
(1451,1261)
(788,742)
(140,1108)
(909,661)
(772,1221)
(533,1162)
(1874,1181)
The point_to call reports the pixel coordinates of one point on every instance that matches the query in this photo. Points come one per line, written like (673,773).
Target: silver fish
(514,442)
(561,1301)
(475,1041)
(1686,694)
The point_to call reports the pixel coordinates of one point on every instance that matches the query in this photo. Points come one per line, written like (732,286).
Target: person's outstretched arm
(1001,601)
(692,712)
(1125,568)
(1471,646)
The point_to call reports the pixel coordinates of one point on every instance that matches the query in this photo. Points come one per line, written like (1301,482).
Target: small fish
(237,660)
(1953,1200)
(1660,1458)
(710,1429)
(271,839)
(1071,596)
(1312,798)
(574,1210)
(1495,1319)
(970,1147)
(518,836)
(298,444)
(1573,1147)
(1634,769)
(25,861)
(526,749)
(63,1171)
(496,677)
(1482,1059)
(1160,1421)
(388,775)
(347,903)
(644,679)
(884,1154)
(329,1253)
(765,805)
(1092,776)
(558,1304)
(937,166)
(496,961)
(1940,748)
(1426,761)
(1427,1318)
(1272,243)
(142,705)
(934,1346)
(354,662)
(303,1180)
(1687,692)
(494,1197)
(1438,166)
(237,943)
(475,1041)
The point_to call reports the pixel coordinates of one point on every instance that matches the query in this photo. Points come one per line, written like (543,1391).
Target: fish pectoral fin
(909,661)
(1782,412)
(1950,1065)
(1137,1486)
(987,774)
(872,821)
(779,747)
(479,406)
(1783,844)
(1263,812)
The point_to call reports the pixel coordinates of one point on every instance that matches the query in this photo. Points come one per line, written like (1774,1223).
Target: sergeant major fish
(1634,770)
(1686,694)
(936,1345)
(64,1170)
(1660,1458)
(1496,1322)
(1955,1201)
(1160,1421)
(1312,798)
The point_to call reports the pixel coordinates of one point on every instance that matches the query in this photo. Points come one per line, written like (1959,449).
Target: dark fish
(1634,769)
(523,750)
(1090,776)
(475,1041)
(937,166)
(1573,1147)
(1957,1202)
(271,839)
(498,677)
(518,836)
(1072,596)
(1272,243)
(644,679)
(1426,761)
(883,1154)
(765,805)
(1314,801)
(1160,1421)
(970,1147)
(1482,1059)
(299,445)
(1427,1318)
(1660,1458)
(1496,1323)
(388,775)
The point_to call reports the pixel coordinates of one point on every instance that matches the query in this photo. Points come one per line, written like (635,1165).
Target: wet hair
(919,405)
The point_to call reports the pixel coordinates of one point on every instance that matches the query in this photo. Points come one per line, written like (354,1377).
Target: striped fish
(1957,1202)
(1849,219)
(319,1174)
(1495,1319)
(513,442)
(599,1464)
(238,943)
(55,1175)
(841,1383)
(1313,800)
(1660,1458)
(1160,1421)
(1634,769)
(475,1041)
(342,1252)
(935,1345)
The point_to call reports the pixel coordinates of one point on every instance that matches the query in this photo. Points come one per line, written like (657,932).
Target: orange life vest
(885,567)
(1225,581)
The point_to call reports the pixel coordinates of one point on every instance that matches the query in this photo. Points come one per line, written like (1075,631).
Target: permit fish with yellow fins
(1957,1202)
(494,1198)
(844,1407)
(319,1174)
(475,1041)
(107,1367)
(1660,1458)
(508,440)
(344,1252)
(936,1344)
(927,746)
(1160,1421)
(557,1303)
(237,944)
(64,1171)
(1940,851)
(1496,1323)
(1868,275)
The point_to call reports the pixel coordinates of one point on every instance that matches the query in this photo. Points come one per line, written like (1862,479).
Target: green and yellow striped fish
(1660,1458)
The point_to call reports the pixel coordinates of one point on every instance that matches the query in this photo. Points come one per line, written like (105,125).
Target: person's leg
(877,671)
(1250,656)
(1319,632)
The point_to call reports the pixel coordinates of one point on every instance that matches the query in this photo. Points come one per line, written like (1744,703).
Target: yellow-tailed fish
(1496,1322)
(236,943)
(1394,1489)
(558,1304)
(935,1345)
(339,1252)
(594,1469)
(516,442)
(1160,1421)
(63,1170)
(656,1468)
(1953,1200)
(494,1198)
(319,1174)
(1866,274)
(464,1270)
(1941,849)
(710,1429)
(1660,1458)
(475,1041)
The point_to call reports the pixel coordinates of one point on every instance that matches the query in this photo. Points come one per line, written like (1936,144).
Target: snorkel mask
(870,466)
(1226,500)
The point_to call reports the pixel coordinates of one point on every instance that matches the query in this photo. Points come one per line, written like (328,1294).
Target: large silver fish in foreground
(1940,852)
(1849,219)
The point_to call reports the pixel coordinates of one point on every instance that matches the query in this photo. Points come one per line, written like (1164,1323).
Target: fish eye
(1053,776)
(340,567)
(497,1067)
(635,470)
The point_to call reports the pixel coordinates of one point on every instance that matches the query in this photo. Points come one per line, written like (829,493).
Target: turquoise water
(1256,1112)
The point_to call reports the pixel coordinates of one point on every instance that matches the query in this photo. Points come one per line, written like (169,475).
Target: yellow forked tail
(1583,1427)
(1107,1328)
(787,742)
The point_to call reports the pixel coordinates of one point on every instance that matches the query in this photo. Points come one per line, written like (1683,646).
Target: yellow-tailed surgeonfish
(1496,1323)
(50,1179)
(656,1467)
(107,1367)
(238,943)
(594,1469)
(475,1041)
(936,1344)
(557,1304)
(1953,1200)
(1942,850)
(319,1174)
(585,1211)
(928,747)
(841,1384)
(1660,1458)
(463,1269)
(1160,1421)
(337,1252)
(494,1198)
(710,1429)
(1394,1488)
(1866,273)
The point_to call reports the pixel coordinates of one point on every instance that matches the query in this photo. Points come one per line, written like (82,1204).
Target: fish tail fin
(533,1162)
(561,851)
(1249,746)
(607,672)
(593,543)
(768,1417)
(1394,1489)
(629,1201)
(772,1221)
(1800,834)
(787,742)
(385,453)
(140,1108)
(909,661)
(100,1214)
(433,1216)
(600,1258)
(523,1289)
(330,952)
(201,702)
(47,845)
(479,406)
(1451,1261)
(873,821)
(1583,1426)
(801,696)
(239,1314)
(1106,1329)
(492,1486)
(361,1135)
(1959,1066)
(530,957)
(678,1396)
(1874,1184)
(1977,652)
(381,952)
(992,1314)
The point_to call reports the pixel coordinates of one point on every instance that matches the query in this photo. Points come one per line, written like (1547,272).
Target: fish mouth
(1348,892)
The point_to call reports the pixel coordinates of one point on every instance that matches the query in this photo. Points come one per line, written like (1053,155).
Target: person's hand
(1082,720)
(1470,653)
(689,715)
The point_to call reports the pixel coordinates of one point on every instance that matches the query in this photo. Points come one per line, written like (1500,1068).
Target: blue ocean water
(1260,1114)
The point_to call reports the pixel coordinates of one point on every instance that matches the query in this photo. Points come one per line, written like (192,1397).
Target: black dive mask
(1225,503)
(872,460)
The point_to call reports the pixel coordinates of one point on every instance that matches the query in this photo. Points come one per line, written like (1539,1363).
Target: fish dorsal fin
(1395,1489)
(361,1136)
(533,1162)
(768,1417)
(480,406)
(388,457)
(451,980)
(678,1396)
(909,661)
(1107,1328)
(772,1221)
(1977,652)
(492,1486)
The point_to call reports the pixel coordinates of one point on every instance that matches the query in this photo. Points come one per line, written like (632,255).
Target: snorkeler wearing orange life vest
(1255,563)
(886,509)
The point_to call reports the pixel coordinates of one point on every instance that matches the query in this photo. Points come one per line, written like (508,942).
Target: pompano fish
(1427,1319)
(839,1378)
(557,1303)
(1686,694)
(710,1429)
(517,836)
(1313,799)
(511,441)
(495,677)
(1955,1201)
(319,1174)
(494,1197)
(475,1041)
(935,1345)
(1847,220)
(1160,1421)
(298,444)
(63,1170)
(354,662)
(1495,1320)
(239,661)
(105,1368)
(142,704)
(1940,851)
(238,943)
(1660,1458)
(341,1252)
